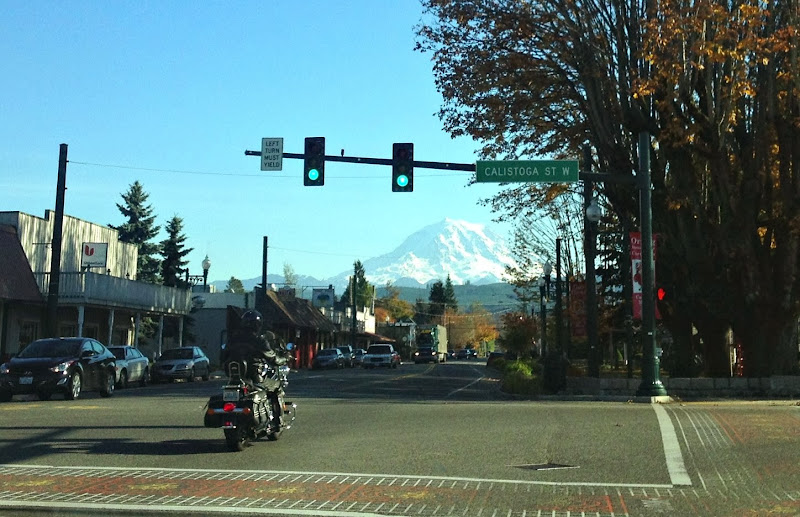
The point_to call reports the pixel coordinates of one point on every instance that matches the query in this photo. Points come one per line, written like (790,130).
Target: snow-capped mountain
(468,252)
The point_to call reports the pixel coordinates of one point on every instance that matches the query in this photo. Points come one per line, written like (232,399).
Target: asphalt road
(425,440)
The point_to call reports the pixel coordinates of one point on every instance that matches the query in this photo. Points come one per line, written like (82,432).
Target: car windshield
(328,351)
(177,353)
(51,348)
(380,349)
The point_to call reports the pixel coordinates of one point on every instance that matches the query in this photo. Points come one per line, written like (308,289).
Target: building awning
(16,278)
(377,338)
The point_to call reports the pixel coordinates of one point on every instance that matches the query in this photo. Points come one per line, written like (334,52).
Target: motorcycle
(247,412)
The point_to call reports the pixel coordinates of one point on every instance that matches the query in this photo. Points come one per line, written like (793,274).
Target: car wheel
(123,379)
(191,375)
(108,388)
(207,374)
(74,387)
(5,396)
(44,395)
(145,376)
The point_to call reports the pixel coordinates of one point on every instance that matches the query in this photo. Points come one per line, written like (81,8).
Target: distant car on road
(349,355)
(328,358)
(463,353)
(69,365)
(426,354)
(381,354)
(132,366)
(186,362)
(358,356)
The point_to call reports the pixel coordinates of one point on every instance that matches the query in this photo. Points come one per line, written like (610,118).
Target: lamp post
(593,214)
(206,266)
(193,280)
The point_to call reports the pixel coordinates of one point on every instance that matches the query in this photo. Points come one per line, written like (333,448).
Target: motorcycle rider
(255,350)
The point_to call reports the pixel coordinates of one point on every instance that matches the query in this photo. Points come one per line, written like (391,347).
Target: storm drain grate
(544,466)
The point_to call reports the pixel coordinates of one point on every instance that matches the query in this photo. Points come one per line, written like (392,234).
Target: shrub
(521,377)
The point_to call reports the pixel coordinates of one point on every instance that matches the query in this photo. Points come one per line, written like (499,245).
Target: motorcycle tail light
(228,407)
(247,411)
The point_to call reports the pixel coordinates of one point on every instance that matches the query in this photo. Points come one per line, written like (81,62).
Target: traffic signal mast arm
(469,167)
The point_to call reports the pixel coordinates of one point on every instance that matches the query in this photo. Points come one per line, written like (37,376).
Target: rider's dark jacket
(254,351)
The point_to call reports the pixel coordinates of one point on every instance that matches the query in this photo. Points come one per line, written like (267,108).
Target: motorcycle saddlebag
(213,418)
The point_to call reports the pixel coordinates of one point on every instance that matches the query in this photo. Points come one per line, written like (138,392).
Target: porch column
(111,328)
(81,315)
(136,330)
(180,331)
(160,333)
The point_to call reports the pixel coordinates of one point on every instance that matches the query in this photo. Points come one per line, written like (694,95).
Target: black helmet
(251,320)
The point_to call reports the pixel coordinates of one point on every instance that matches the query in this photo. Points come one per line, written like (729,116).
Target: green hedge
(520,377)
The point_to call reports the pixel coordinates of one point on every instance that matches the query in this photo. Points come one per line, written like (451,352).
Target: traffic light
(314,162)
(402,167)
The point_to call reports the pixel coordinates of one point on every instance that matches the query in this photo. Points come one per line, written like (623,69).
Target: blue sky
(172,93)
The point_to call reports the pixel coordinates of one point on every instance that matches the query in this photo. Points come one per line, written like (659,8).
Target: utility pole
(590,253)
(353,298)
(55,255)
(651,363)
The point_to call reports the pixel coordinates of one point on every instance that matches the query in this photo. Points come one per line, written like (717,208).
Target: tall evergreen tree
(442,299)
(451,303)
(139,229)
(234,286)
(437,301)
(364,290)
(174,251)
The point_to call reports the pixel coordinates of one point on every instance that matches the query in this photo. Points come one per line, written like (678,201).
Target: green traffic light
(313,174)
(402,180)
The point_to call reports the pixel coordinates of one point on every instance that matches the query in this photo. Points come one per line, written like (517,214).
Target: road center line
(672,449)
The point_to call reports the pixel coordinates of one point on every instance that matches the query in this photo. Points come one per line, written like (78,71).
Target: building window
(67,330)
(28,332)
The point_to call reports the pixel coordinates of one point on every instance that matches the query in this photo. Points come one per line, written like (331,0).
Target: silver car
(132,366)
(186,362)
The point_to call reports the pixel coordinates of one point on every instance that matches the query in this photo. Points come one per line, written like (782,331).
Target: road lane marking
(672,449)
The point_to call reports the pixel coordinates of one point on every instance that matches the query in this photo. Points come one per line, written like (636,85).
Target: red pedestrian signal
(661,293)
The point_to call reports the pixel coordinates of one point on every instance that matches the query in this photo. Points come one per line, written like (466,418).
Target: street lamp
(193,280)
(593,214)
(206,266)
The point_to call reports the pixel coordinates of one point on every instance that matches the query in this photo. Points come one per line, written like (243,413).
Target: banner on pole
(636,272)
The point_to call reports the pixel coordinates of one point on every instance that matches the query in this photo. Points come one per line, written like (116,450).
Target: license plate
(230,395)
(26,380)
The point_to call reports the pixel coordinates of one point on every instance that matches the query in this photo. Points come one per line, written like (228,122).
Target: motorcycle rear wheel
(236,439)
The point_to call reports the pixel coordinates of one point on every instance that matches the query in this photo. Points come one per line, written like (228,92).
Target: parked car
(358,356)
(381,354)
(451,354)
(69,365)
(132,366)
(349,355)
(494,356)
(186,362)
(328,358)
(426,354)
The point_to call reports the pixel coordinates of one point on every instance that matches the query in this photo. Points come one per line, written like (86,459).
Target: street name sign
(540,171)
(271,154)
